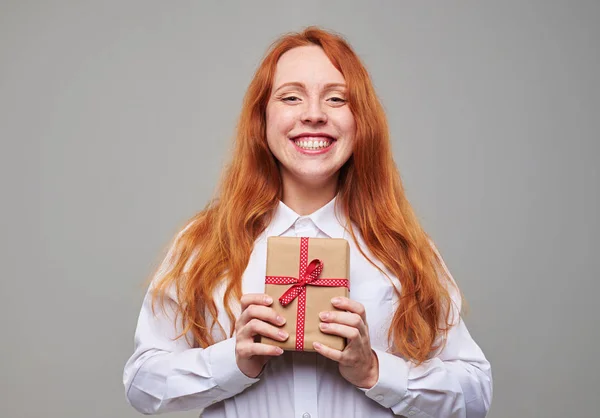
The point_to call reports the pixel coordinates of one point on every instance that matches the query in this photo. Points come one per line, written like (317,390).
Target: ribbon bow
(312,273)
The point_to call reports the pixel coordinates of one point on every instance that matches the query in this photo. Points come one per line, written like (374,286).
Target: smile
(313,143)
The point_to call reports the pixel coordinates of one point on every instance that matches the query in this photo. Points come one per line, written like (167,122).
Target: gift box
(302,276)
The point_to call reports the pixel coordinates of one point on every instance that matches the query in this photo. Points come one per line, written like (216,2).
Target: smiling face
(310,128)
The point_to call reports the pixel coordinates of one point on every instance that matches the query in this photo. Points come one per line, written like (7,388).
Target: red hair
(225,230)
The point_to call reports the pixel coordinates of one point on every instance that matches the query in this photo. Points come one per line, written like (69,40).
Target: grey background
(116,118)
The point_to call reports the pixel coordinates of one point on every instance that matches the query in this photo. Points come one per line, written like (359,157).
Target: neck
(305,199)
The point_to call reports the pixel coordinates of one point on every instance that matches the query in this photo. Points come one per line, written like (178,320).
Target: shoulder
(172,257)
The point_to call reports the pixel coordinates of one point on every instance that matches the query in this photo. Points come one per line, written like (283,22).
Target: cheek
(348,125)
(279,121)
(349,132)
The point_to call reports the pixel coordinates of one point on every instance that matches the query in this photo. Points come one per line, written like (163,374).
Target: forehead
(308,65)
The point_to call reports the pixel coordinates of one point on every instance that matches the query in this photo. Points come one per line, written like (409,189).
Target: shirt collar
(329,219)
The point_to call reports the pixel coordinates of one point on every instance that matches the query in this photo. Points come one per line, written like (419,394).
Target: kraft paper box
(288,260)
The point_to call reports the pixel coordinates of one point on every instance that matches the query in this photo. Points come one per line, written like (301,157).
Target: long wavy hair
(224,232)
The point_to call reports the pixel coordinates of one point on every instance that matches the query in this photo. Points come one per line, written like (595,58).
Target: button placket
(305,385)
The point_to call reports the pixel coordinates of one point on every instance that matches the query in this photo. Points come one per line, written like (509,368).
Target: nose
(313,113)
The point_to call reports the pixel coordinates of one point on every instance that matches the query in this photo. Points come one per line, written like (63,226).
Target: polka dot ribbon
(308,275)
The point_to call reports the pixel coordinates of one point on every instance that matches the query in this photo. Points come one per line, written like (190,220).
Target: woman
(312,158)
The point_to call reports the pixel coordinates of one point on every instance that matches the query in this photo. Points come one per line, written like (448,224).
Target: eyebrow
(302,86)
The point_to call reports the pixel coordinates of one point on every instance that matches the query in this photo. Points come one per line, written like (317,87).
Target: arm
(455,383)
(166,375)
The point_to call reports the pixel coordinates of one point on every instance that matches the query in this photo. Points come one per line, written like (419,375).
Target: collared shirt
(165,375)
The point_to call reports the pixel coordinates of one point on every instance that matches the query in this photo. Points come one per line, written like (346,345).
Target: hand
(358,363)
(251,356)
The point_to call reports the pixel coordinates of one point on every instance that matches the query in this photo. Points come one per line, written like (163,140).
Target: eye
(337,99)
(290,99)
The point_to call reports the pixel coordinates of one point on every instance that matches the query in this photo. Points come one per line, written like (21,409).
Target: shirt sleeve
(165,374)
(456,383)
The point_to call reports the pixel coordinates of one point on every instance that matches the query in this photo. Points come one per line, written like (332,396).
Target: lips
(316,146)
(307,136)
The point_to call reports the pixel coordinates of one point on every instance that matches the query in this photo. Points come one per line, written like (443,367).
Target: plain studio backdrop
(116,118)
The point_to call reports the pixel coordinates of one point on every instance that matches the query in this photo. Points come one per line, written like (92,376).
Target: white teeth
(313,143)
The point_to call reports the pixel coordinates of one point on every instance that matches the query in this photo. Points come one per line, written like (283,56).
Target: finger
(258,327)
(350,305)
(255,299)
(264,313)
(345,331)
(345,318)
(247,350)
(330,353)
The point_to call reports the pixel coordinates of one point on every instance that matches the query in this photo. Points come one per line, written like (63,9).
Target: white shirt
(164,375)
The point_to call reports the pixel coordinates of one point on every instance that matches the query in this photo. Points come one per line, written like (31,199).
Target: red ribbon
(308,275)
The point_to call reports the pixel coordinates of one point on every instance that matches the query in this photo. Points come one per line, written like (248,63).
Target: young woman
(312,158)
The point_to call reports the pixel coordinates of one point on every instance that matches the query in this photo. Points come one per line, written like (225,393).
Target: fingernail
(279,350)
(317,345)
(323,325)
(280,320)
(268,300)
(282,334)
(324,315)
(336,300)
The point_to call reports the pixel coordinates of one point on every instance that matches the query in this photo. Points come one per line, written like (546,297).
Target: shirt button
(306,415)
(379,398)
(412,412)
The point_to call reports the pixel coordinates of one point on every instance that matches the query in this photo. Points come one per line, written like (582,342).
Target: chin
(315,178)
